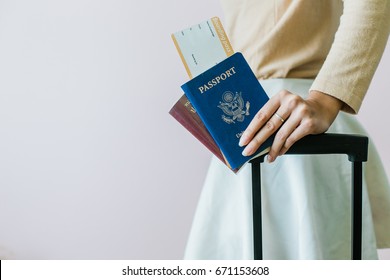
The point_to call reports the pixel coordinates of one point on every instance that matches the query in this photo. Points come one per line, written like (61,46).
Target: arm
(357,48)
(340,85)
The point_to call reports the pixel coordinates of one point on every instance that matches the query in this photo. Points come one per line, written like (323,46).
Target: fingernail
(242,141)
(247,151)
(270,159)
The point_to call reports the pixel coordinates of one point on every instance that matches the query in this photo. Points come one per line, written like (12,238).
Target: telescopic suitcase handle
(355,146)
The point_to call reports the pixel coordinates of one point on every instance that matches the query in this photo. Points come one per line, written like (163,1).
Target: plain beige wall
(91,164)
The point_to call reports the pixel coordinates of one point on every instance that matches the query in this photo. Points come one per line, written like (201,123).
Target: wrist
(329,105)
(325,100)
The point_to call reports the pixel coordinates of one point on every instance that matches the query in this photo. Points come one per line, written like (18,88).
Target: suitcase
(355,146)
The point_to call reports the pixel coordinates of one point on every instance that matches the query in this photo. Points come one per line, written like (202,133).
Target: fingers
(283,138)
(266,122)
(259,121)
(297,134)
(270,127)
(287,115)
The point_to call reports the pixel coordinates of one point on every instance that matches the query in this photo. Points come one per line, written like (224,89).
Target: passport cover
(226,97)
(186,115)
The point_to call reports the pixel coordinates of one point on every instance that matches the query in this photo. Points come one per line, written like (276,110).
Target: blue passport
(227,97)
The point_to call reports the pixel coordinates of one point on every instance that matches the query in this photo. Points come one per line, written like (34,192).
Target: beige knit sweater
(339,43)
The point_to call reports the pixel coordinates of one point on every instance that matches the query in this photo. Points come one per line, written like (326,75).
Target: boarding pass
(202,46)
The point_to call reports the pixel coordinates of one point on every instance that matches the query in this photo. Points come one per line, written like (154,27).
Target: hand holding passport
(224,95)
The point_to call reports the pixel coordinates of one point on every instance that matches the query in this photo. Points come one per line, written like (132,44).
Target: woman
(316,60)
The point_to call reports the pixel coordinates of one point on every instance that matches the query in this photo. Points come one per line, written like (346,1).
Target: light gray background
(91,164)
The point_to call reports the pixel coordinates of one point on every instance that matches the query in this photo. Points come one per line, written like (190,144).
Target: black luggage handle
(355,146)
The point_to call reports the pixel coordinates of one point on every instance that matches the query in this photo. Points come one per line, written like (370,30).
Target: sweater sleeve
(355,53)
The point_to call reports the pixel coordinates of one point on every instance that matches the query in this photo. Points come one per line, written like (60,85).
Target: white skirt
(306,203)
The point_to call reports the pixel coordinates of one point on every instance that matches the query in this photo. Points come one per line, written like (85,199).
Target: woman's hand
(295,118)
